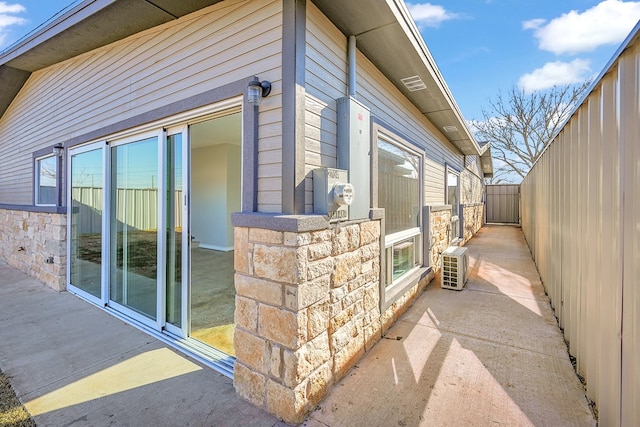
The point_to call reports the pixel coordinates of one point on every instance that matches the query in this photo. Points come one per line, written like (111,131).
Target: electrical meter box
(332,194)
(354,152)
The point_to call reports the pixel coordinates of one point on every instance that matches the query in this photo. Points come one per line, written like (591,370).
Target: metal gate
(503,204)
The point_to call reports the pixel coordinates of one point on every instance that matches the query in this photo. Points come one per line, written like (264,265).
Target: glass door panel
(86,204)
(134,226)
(174,229)
(215,190)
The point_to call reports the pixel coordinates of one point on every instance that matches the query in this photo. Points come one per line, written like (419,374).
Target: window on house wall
(399,193)
(453,199)
(46,185)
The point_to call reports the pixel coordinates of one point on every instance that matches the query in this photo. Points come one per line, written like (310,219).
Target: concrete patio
(491,354)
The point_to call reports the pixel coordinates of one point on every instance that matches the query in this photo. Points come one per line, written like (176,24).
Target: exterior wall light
(257,90)
(58,150)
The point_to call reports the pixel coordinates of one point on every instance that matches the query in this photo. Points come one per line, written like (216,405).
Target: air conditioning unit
(455,261)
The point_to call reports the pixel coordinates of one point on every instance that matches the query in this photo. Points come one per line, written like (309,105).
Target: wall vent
(413,83)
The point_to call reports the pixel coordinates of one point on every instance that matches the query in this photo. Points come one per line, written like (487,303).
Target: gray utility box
(332,194)
(354,152)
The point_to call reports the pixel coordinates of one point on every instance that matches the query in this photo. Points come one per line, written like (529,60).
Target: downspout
(351,59)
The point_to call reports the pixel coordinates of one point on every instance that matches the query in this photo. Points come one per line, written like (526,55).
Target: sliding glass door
(133,280)
(86,204)
(175,230)
(150,231)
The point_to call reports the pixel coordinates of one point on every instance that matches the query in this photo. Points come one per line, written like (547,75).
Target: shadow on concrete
(71,364)
(491,354)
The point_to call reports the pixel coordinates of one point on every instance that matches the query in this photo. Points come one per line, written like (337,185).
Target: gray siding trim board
(30,208)
(293,106)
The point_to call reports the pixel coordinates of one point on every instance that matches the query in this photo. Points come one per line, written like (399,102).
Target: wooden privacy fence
(137,207)
(581,218)
(503,204)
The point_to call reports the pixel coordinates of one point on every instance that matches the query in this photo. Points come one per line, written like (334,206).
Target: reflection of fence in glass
(138,208)
(399,195)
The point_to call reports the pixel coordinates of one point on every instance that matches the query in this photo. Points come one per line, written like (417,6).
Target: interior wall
(215,194)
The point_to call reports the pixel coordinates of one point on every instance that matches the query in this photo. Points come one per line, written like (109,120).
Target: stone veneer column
(307,307)
(440,223)
(473,220)
(29,240)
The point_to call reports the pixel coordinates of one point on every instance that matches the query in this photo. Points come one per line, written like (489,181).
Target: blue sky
(480,46)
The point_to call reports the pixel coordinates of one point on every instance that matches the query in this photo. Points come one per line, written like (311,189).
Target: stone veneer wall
(473,220)
(307,309)
(440,223)
(28,239)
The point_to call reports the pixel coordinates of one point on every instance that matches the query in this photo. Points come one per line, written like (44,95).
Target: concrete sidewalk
(73,364)
(490,354)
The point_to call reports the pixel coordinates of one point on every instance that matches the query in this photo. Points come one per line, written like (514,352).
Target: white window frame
(454,230)
(37,164)
(390,289)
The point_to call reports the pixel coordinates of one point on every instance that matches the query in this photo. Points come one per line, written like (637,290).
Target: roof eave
(387,35)
(87,26)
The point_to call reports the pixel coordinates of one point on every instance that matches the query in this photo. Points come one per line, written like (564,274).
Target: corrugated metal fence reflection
(581,218)
(138,208)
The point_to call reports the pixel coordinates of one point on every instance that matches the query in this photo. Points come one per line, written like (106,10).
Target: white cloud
(533,24)
(429,15)
(609,22)
(8,18)
(555,74)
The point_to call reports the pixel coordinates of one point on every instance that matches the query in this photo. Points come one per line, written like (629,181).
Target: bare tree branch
(520,125)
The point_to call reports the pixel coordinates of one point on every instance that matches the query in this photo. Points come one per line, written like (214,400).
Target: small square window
(46,181)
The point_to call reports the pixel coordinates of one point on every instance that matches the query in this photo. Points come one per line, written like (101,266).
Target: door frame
(178,337)
(104,267)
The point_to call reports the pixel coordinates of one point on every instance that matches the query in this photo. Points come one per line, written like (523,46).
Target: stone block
(296,239)
(356,283)
(249,384)
(372,334)
(286,403)
(307,293)
(347,267)
(279,263)
(352,297)
(241,250)
(317,319)
(348,356)
(319,250)
(371,297)
(246,313)
(346,315)
(370,252)
(348,334)
(260,235)
(277,359)
(369,232)
(282,326)
(346,239)
(338,294)
(299,364)
(260,290)
(320,268)
(321,236)
(250,350)
(319,383)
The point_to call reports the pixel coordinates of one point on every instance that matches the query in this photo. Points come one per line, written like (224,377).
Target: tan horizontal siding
(326,77)
(388,104)
(204,50)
